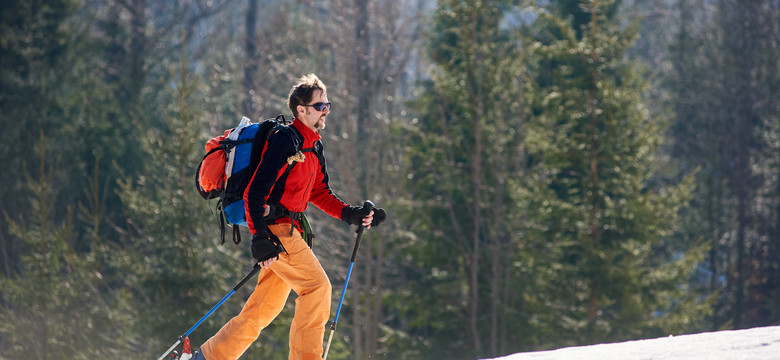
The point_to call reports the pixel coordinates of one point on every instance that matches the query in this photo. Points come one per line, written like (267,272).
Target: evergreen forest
(556,172)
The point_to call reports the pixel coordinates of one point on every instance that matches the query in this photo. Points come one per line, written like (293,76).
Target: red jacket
(306,182)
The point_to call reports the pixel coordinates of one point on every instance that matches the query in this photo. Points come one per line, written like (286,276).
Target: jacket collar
(309,136)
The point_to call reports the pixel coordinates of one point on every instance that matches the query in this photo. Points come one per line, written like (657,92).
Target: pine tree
(33,50)
(65,303)
(464,160)
(601,223)
(178,268)
(724,90)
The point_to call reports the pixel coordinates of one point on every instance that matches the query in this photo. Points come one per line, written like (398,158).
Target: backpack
(230,162)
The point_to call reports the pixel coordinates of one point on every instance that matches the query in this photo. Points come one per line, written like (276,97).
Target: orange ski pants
(297,269)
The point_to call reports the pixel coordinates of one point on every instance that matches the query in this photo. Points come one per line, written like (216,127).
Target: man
(288,177)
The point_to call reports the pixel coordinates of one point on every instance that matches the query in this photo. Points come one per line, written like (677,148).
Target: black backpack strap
(221,216)
(316,149)
(236,234)
(228,144)
(297,140)
(291,132)
(222,226)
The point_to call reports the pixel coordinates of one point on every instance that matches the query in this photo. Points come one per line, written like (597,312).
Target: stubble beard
(320,124)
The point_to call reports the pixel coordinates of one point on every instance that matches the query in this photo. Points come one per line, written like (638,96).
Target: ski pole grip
(247,277)
(366,205)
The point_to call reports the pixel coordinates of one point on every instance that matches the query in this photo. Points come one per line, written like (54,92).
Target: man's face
(313,118)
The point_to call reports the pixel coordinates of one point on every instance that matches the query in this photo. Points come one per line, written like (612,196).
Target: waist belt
(278,211)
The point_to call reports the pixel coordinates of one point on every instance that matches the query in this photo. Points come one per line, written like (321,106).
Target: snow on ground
(751,344)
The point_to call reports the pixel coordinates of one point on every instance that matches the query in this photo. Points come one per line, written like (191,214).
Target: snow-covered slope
(753,344)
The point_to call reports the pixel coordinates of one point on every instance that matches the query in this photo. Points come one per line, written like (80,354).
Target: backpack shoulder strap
(317,148)
(292,133)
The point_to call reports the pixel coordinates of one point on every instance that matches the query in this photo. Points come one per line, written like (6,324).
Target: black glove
(265,245)
(354,215)
(379,216)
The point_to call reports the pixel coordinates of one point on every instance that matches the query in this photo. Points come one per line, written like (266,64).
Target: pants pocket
(294,243)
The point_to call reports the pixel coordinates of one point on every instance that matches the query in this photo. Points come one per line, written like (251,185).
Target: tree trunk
(137,48)
(476,212)
(362,55)
(735,23)
(252,57)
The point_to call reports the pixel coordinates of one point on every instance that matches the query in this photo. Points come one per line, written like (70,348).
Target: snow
(754,344)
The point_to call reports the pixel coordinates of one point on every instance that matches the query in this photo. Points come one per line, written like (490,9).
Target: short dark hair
(303,92)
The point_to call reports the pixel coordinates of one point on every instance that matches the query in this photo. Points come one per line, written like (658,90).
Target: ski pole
(367,204)
(235,288)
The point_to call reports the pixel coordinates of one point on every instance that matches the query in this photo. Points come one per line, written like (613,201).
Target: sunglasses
(320,106)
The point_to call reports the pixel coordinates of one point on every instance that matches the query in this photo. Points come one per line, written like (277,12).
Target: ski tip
(186,348)
(186,351)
